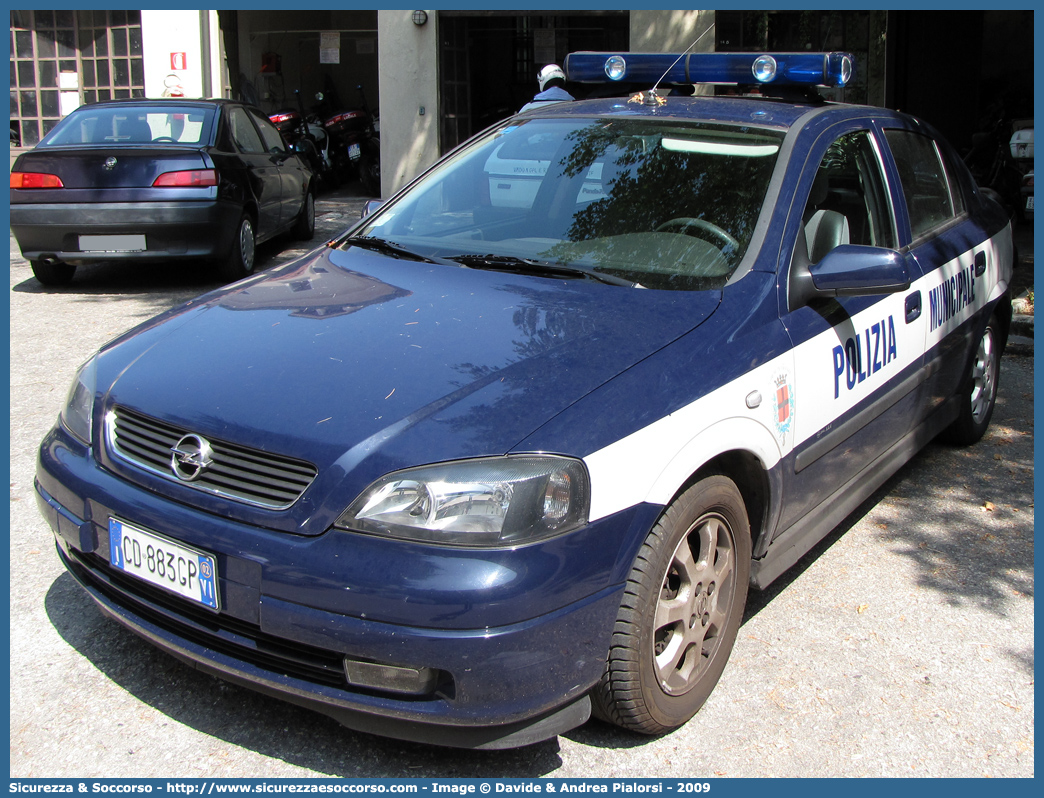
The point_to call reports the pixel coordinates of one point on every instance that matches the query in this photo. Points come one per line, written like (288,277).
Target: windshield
(659,203)
(131,125)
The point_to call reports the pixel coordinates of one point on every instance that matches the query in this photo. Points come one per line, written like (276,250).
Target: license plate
(164,563)
(1029,203)
(354,151)
(127,243)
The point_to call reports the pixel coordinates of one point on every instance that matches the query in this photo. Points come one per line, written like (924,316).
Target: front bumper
(172,230)
(499,686)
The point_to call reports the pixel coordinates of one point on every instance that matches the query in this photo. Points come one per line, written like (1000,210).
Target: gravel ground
(902,646)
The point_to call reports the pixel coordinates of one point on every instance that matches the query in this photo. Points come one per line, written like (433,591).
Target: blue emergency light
(778,69)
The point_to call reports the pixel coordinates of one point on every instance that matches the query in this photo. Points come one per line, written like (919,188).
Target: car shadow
(189,277)
(267,726)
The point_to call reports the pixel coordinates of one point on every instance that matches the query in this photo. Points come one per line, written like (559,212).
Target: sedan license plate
(354,151)
(127,243)
(164,563)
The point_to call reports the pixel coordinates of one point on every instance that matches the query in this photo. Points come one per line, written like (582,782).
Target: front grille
(246,475)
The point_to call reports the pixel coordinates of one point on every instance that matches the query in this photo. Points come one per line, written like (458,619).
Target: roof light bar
(792,69)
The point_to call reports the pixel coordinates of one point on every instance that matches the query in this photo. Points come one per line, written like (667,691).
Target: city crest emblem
(784,416)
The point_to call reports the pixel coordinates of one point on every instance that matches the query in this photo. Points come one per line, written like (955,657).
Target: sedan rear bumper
(172,230)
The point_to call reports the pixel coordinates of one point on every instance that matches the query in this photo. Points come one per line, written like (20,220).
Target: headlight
(494,501)
(79,406)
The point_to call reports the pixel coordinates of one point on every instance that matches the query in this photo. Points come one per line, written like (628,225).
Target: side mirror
(848,270)
(304,147)
(319,96)
(853,270)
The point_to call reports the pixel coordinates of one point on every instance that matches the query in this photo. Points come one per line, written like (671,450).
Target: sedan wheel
(52,272)
(681,611)
(240,262)
(304,227)
(979,391)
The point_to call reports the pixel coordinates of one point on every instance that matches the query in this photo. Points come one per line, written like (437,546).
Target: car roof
(732,110)
(163,101)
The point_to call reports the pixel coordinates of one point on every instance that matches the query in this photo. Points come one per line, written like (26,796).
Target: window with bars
(101,48)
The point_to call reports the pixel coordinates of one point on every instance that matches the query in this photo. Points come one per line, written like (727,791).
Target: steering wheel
(687,223)
(165,138)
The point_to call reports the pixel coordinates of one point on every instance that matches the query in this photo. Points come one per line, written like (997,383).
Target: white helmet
(548,73)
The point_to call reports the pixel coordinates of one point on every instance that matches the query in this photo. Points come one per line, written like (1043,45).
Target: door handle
(980,263)
(913,306)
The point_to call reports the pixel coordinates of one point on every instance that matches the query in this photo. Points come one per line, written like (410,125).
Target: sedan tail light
(193,178)
(35,180)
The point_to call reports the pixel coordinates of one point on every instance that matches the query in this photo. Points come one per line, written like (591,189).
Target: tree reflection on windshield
(660,203)
(650,194)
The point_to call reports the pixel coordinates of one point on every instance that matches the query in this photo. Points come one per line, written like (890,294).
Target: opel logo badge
(110,162)
(190,457)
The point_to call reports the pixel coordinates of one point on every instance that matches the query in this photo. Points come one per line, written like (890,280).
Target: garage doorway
(489,61)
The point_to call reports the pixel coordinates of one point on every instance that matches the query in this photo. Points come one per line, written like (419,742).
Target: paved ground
(902,646)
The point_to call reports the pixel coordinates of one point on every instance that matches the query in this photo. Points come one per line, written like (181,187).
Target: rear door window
(243,132)
(932,199)
(272,140)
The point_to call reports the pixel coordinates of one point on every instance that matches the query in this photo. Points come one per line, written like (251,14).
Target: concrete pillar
(409,83)
(182,54)
(674,31)
(671,31)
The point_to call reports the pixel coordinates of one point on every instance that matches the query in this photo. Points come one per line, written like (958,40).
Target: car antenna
(651,97)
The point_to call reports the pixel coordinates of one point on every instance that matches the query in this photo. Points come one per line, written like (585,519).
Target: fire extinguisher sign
(178,62)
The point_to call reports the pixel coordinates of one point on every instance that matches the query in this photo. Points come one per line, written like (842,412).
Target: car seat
(135,130)
(824,231)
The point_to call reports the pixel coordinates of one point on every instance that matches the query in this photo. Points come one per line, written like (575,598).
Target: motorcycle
(1022,151)
(356,144)
(991,163)
(305,134)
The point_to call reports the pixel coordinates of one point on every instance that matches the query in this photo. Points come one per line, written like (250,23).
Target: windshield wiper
(510,263)
(385,248)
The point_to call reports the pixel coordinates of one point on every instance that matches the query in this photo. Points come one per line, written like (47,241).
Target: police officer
(552,87)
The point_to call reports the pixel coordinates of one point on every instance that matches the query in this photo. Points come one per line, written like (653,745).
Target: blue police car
(512,449)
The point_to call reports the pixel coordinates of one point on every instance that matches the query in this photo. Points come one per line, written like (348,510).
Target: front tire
(240,262)
(681,611)
(370,169)
(52,272)
(978,395)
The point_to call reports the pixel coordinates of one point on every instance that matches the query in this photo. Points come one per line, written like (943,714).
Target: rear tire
(52,272)
(304,227)
(681,611)
(978,394)
(240,262)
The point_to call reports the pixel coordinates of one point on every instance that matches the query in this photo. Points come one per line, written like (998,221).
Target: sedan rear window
(664,204)
(131,125)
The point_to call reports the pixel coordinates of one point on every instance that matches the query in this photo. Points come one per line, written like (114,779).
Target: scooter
(356,144)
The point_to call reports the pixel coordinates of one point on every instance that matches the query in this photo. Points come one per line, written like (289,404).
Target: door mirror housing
(853,270)
(849,270)
(370,207)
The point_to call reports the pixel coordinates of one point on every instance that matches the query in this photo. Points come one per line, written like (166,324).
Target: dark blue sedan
(512,449)
(155,181)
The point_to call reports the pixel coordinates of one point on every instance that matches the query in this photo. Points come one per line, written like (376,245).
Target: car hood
(363,364)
